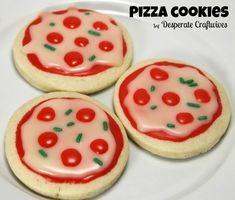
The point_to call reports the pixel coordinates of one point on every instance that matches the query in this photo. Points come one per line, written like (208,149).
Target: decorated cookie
(172,109)
(72,50)
(66,146)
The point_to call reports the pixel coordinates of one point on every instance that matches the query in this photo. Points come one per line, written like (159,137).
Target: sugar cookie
(171,108)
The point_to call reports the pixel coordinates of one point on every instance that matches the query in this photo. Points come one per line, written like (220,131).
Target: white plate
(146,176)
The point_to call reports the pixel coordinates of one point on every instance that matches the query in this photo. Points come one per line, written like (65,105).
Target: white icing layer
(52,165)
(148,120)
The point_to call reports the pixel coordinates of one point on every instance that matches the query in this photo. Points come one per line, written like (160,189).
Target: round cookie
(66,146)
(72,50)
(171,108)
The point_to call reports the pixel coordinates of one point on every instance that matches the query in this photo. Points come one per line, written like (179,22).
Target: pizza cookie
(66,146)
(72,50)
(171,108)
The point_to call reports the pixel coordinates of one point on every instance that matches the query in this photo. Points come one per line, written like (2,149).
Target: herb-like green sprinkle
(94,33)
(57,129)
(182,80)
(70,124)
(67,112)
(87,13)
(42,153)
(202,118)
(105,126)
(194,105)
(152,88)
(170,125)
(52,24)
(192,84)
(153,107)
(98,161)
(91,58)
(79,137)
(189,81)
(51,48)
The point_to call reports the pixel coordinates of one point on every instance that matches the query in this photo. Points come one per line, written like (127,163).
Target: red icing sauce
(162,135)
(115,130)
(95,69)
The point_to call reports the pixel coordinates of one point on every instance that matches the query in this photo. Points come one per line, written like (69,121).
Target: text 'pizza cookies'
(66,146)
(72,50)
(171,108)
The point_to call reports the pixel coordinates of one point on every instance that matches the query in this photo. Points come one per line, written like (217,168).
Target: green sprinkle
(98,161)
(57,129)
(42,153)
(170,125)
(182,80)
(189,81)
(67,112)
(194,105)
(202,118)
(51,48)
(52,24)
(93,57)
(79,138)
(152,88)
(153,107)
(105,126)
(192,85)
(87,13)
(70,124)
(94,33)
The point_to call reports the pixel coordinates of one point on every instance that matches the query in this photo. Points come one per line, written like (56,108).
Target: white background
(212,50)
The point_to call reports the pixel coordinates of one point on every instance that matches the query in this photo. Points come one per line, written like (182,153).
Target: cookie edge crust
(50,82)
(176,150)
(60,190)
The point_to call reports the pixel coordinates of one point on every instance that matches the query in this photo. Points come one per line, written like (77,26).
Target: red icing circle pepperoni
(46,114)
(71,157)
(72,22)
(81,41)
(99,146)
(85,115)
(73,58)
(106,46)
(54,38)
(184,118)
(141,97)
(100,26)
(47,139)
(159,74)
(170,98)
(202,96)
(113,22)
